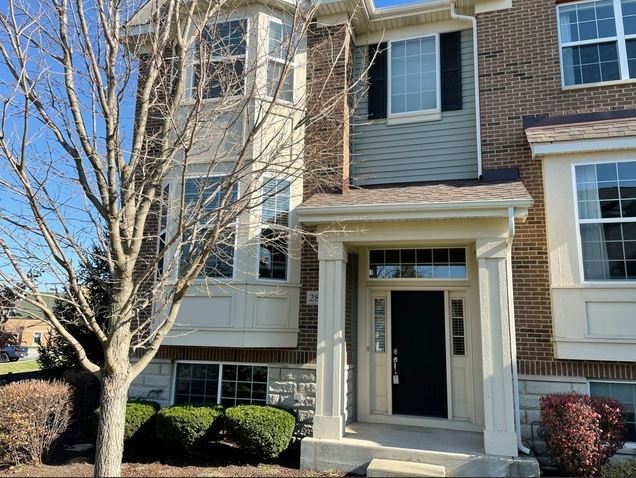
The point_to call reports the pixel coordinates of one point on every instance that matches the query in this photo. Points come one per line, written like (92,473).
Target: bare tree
(140,134)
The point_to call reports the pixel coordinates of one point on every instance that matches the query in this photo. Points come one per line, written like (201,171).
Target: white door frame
(366,329)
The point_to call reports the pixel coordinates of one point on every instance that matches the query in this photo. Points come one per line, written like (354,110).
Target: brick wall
(520,76)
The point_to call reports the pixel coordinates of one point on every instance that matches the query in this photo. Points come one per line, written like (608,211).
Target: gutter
(513,335)
(456,16)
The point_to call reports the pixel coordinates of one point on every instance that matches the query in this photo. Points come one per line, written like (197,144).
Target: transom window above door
(597,41)
(428,263)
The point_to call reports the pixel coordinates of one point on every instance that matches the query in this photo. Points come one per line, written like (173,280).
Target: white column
(329,420)
(499,424)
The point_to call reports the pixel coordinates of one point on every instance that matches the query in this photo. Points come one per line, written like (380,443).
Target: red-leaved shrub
(582,433)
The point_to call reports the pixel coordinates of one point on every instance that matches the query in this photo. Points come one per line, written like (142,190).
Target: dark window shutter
(377,81)
(451,64)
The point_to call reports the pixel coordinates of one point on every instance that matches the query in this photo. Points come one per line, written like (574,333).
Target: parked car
(12,353)
(10,348)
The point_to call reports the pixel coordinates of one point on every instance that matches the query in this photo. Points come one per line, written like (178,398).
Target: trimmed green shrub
(185,427)
(261,430)
(139,415)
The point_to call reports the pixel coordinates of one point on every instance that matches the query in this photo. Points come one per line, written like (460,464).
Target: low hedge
(139,417)
(261,430)
(186,427)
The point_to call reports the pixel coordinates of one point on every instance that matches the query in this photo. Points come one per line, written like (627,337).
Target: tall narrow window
(458,327)
(222,49)
(163,225)
(280,66)
(606,194)
(204,199)
(274,238)
(414,76)
(379,324)
(598,41)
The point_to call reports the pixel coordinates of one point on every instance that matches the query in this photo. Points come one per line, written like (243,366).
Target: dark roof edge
(539,121)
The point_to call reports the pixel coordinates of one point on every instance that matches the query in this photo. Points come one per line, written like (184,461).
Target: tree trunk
(112,421)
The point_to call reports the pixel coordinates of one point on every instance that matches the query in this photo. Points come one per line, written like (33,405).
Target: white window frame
(629,446)
(263,226)
(579,239)
(620,39)
(203,279)
(432,113)
(193,60)
(427,279)
(269,57)
(173,391)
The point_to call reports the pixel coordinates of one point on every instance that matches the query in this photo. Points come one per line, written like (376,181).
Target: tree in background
(56,354)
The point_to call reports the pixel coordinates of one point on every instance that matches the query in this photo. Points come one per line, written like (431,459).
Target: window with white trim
(437,263)
(223,48)
(413,77)
(625,394)
(458,327)
(163,229)
(606,197)
(226,384)
(274,236)
(206,198)
(37,338)
(597,41)
(279,61)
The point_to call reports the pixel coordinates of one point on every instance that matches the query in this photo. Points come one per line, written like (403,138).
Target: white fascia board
(582,146)
(405,212)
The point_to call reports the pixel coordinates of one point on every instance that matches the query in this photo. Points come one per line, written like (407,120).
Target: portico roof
(454,199)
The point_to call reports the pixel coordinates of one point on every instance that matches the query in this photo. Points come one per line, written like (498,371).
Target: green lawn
(19,367)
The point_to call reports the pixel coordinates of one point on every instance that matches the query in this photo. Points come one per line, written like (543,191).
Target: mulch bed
(159,469)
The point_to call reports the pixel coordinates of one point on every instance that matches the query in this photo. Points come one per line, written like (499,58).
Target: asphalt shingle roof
(449,192)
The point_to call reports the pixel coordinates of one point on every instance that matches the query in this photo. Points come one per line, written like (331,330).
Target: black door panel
(418,334)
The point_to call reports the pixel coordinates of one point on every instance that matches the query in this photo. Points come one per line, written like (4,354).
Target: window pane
(587,21)
(590,63)
(629,16)
(413,75)
(196,383)
(274,75)
(438,263)
(274,242)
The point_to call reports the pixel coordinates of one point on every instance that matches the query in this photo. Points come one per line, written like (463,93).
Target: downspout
(513,335)
(456,16)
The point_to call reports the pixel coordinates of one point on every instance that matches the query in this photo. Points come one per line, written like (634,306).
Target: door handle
(396,377)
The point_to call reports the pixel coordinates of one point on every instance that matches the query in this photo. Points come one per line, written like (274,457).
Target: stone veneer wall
(531,389)
(289,386)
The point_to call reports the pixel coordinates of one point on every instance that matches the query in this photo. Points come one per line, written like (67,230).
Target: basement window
(625,393)
(225,384)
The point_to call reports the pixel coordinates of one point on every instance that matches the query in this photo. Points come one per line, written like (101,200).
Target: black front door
(419,344)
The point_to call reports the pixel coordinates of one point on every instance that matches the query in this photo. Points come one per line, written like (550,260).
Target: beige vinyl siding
(445,149)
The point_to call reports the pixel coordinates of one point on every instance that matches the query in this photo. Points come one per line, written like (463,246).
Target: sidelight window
(430,263)
(458,327)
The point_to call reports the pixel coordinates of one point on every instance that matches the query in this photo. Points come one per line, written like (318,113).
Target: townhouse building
(480,252)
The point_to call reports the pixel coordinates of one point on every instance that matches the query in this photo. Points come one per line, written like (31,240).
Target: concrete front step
(392,468)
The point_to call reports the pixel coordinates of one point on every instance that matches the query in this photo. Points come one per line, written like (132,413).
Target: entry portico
(434,269)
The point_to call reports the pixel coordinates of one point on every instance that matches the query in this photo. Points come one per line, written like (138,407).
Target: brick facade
(520,76)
